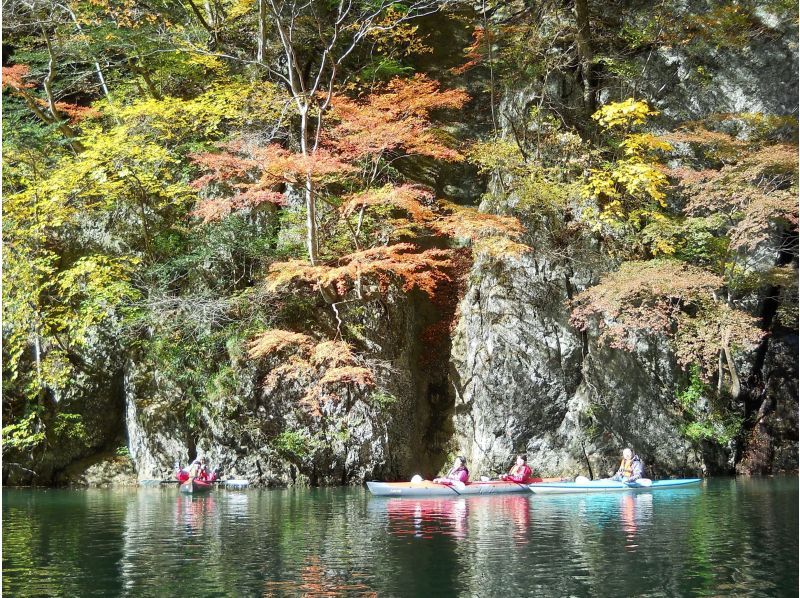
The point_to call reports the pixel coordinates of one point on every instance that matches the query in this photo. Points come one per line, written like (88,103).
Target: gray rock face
(760,77)
(516,362)
(264,432)
(156,434)
(104,472)
(529,382)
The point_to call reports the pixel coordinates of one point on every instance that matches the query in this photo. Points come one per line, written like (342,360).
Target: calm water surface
(724,538)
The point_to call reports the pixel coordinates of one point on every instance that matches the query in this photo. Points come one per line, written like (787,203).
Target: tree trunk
(736,388)
(584,40)
(311,211)
(262,30)
(145,75)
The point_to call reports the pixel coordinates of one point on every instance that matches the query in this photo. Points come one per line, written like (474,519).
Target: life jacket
(460,475)
(520,473)
(630,467)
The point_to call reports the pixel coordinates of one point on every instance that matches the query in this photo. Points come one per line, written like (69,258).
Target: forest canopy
(216,175)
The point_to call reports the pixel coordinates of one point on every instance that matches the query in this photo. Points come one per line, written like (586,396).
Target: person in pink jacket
(458,473)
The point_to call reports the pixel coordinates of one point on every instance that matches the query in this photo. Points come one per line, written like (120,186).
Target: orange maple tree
(324,370)
(362,133)
(17,79)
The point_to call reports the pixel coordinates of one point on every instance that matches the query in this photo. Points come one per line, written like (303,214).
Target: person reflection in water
(458,473)
(520,472)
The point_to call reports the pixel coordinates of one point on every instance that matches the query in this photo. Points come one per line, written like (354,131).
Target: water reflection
(194,513)
(424,517)
(724,538)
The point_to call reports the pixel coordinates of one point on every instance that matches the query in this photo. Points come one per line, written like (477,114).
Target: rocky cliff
(490,368)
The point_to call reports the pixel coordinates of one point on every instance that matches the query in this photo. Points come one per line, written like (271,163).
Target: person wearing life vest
(520,472)
(630,469)
(457,473)
(199,469)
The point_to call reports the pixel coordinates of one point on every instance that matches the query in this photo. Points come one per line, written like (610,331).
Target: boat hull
(196,486)
(607,486)
(426,488)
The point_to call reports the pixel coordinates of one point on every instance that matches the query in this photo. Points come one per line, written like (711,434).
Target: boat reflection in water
(454,517)
(193,513)
(425,517)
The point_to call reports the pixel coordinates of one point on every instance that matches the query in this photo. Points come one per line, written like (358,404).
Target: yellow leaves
(225,103)
(639,144)
(630,187)
(641,180)
(392,36)
(240,8)
(627,185)
(601,183)
(89,291)
(623,114)
(498,155)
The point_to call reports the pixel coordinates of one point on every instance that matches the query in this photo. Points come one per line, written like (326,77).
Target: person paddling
(458,473)
(630,469)
(520,472)
(199,469)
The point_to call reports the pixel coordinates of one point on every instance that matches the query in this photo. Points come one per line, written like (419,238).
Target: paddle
(455,486)
(641,483)
(157,482)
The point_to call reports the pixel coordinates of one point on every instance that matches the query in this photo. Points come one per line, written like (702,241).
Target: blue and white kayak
(427,488)
(608,486)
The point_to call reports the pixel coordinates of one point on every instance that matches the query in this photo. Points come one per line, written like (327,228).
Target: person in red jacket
(520,472)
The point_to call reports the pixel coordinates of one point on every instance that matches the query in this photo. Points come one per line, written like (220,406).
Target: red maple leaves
(393,120)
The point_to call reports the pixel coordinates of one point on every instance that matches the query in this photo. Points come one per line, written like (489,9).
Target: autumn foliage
(395,119)
(401,263)
(670,299)
(17,79)
(322,370)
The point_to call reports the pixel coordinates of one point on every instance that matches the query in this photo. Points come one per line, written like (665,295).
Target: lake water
(724,538)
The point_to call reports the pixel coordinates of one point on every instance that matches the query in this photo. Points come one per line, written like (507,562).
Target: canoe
(196,486)
(607,486)
(426,488)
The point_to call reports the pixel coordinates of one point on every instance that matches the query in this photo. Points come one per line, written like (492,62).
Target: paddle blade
(581,479)
(416,479)
(458,485)
(644,482)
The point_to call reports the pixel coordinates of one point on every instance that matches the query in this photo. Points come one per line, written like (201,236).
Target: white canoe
(426,488)
(607,486)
